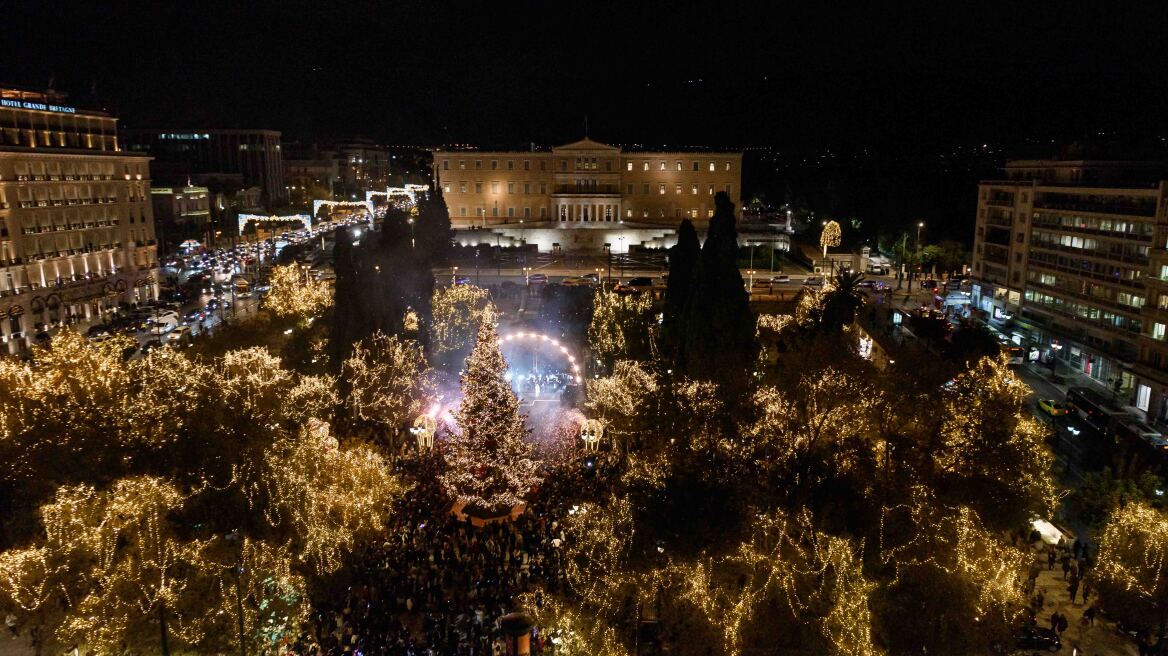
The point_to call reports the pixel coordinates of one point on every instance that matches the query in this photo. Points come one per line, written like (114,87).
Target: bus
(1016,354)
(1092,408)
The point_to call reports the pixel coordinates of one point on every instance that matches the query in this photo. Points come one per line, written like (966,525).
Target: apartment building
(76,224)
(598,192)
(1072,256)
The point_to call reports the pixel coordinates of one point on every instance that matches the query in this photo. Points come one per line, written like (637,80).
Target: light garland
(296,294)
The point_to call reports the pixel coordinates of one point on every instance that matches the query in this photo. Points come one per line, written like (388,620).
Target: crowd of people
(438,585)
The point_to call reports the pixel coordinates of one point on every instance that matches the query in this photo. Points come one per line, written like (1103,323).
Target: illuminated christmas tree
(489,466)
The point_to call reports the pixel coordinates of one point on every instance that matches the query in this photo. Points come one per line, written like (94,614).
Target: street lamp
(454,276)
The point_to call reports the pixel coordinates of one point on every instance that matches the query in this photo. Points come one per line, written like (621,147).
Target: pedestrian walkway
(1098,639)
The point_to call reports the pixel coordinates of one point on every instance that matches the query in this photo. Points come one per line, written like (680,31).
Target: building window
(1143,397)
(495,211)
(695,166)
(480,212)
(510,165)
(526,165)
(678,165)
(446,187)
(510,187)
(695,190)
(645,165)
(645,188)
(511,212)
(661,189)
(727,166)
(462,187)
(563,165)
(711,190)
(711,166)
(677,188)
(478,187)
(494,165)
(677,213)
(543,212)
(462,164)
(478,164)
(445,165)
(543,188)
(629,189)
(709,214)
(527,212)
(1159,330)
(662,165)
(527,188)
(629,165)
(728,187)
(462,211)
(494,187)
(542,165)
(628,214)
(607,165)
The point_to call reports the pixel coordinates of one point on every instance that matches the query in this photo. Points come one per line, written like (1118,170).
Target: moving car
(1053,408)
(781,279)
(594,277)
(575,281)
(164,322)
(636,285)
(813,281)
(179,333)
(537,279)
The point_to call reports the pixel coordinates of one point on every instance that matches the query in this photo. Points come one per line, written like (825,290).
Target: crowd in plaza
(439,585)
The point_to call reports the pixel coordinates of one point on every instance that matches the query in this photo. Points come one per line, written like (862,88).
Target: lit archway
(546,340)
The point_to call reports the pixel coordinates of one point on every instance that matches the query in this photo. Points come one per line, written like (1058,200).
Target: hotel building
(180,213)
(76,227)
(582,195)
(1071,255)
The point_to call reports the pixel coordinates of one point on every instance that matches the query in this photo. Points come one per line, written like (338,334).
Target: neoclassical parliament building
(582,195)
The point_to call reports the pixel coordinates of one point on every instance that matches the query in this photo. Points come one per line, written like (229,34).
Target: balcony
(1123,208)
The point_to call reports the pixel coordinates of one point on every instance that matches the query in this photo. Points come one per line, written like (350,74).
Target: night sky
(657,73)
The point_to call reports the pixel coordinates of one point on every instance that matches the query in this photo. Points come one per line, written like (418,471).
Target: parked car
(577,281)
(1053,408)
(98,330)
(594,277)
(929,284)
(194,316)
(1033,637)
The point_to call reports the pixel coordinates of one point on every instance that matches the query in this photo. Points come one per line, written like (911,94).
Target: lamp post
(454,276)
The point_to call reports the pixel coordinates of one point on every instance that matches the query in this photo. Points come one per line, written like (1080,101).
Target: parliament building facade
(582,195)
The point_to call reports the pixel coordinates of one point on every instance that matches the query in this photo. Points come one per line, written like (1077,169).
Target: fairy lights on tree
(1133,561)
(386,381)
(830,237)
(295,294)
(620,326)
(489,466)
(458,310)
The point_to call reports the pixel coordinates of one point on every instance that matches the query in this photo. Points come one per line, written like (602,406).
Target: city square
(319,342)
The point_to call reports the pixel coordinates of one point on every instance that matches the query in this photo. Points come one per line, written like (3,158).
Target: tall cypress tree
(488,464)
(683,261)
(719,339)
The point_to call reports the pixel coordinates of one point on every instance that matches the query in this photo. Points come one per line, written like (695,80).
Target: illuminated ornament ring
(549,341)
(423,431)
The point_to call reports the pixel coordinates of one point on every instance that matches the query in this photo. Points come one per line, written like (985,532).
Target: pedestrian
(1076,547)
(1073,588)
(1086,590)
(1051,557)
(1090,613)
(10,621)
(1063,624)
(1054,621)
(1066,566)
